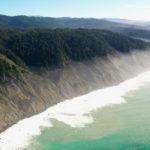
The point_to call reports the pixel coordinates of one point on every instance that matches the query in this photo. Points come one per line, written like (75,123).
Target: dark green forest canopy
(46,47)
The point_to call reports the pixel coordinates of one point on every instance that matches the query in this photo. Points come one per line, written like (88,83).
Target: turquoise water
(118,127)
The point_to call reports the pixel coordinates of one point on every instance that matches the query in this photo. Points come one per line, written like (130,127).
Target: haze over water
(115,118)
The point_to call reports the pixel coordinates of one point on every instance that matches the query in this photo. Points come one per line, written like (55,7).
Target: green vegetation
(46,48)
(25,22)
(7,68)
(26,90)
(134,32)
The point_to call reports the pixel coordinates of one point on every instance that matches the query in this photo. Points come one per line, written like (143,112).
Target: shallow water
(118,127)
(114,118)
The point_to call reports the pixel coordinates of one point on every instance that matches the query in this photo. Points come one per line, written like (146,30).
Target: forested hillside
(22,49)
(26,22)
(133,32)
(41,67)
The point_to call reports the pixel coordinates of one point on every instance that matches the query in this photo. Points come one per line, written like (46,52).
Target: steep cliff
(41,68)
(33,93)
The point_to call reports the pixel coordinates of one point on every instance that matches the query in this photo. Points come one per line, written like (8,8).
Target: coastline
(79,114)
(75,80)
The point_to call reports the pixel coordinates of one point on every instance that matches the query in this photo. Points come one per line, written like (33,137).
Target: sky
(128,9)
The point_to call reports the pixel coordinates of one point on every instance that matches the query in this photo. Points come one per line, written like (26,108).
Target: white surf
(74,112)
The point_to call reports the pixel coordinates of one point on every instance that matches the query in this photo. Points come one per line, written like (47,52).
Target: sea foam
(74,112)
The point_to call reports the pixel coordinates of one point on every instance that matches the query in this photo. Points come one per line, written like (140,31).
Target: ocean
(114,118)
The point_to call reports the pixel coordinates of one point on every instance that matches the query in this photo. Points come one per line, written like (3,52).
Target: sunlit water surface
(114,118)
(118,127)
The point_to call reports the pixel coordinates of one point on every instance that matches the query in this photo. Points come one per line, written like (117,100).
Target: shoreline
(26,98)
(63,114)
